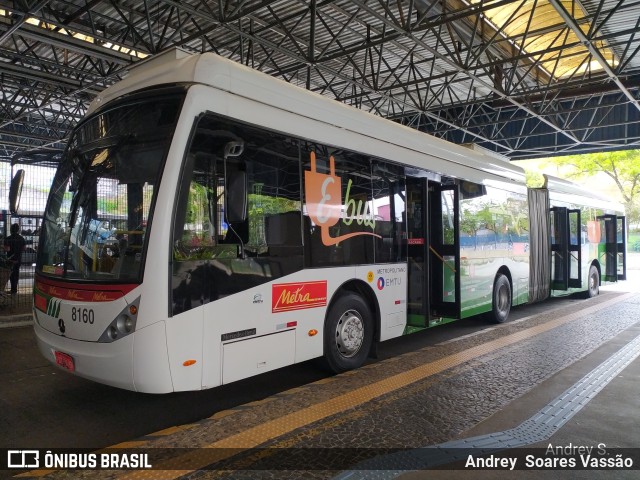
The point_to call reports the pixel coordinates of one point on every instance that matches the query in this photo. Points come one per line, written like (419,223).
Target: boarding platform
(562,375)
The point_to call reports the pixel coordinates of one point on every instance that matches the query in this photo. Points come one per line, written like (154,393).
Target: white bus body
(129,311)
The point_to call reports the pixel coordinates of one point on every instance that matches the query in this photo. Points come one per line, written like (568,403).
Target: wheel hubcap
(350,333)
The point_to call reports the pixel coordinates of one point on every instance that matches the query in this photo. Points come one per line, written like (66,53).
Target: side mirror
(235,185)
(236,198)
(15,191)
(233,149)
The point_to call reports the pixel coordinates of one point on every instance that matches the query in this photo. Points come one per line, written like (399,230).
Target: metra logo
(53,291)
(100,297)
(74,295)
(296,296)
(323,194)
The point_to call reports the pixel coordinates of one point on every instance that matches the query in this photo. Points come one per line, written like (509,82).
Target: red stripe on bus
(81,292)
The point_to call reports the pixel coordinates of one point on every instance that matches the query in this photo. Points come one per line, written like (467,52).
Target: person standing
(14,245)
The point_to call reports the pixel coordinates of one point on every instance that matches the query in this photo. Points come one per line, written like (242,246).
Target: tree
(623,167)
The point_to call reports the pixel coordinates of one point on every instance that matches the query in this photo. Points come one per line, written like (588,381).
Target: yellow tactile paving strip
(262,433)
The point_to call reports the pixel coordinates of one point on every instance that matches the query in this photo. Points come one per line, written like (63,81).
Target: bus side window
(194,227)
(226,242)
(389,207)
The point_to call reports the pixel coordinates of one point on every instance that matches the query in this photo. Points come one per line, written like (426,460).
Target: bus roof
(177,66)
(559,188)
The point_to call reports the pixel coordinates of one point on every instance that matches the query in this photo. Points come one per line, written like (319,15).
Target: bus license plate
(65,361)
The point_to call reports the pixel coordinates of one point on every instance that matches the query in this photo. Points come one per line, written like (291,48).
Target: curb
(19,320)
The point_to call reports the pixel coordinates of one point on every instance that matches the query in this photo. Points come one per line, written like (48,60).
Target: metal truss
(524,78)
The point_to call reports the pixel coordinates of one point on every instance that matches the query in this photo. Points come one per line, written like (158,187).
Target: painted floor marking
(539,427)
(255,436)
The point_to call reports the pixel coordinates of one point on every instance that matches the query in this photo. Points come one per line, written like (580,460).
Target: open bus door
(621,234)
(575,248)
(559,248)
(612,250)
(608,248)
(417,254)
(433,252)
(566,248)
(444,250)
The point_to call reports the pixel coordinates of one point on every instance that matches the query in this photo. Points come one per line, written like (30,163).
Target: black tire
(348,333)
(593,283)
(501,299)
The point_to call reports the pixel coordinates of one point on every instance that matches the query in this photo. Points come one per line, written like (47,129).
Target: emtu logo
(323,194)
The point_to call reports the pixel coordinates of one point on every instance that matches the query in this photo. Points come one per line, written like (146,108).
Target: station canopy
(525,79)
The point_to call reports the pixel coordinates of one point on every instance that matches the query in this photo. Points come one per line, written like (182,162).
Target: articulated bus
(263,225)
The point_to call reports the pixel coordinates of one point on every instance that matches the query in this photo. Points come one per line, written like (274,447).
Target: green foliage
(109,206)
(196,212)
(481,217)
(270,205)
(534,179)
(259,207)
(182,253)
(469,223)
(623,167)
(508,217)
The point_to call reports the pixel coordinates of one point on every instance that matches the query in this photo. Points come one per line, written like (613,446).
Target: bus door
(608,247)
(559,248)
(417,254)
(621,234)
(612,248)
(575,241)
(566,248)
(444,250)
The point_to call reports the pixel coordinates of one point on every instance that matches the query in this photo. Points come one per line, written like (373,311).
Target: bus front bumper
(144,368)
(108,363)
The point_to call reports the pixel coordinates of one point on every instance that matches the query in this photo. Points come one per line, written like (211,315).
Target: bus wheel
(593,287)
(348,333)
(501,304)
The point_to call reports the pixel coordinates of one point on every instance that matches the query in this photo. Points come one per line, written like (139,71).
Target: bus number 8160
(84,315)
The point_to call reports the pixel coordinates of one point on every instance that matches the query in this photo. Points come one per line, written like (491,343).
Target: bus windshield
(101,198)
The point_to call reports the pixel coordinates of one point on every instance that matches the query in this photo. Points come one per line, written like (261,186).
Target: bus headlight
(113,332)
(123,325)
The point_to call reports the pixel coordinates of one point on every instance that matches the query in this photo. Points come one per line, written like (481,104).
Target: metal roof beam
(66,41)
(593,50)
(42,76)
(25,135)
(465,71)
(300,58)
(47,102)
(23,19)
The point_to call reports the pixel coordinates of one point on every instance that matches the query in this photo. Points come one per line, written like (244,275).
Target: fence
(36,185)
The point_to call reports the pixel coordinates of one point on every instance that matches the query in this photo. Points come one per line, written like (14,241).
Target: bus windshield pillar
(134,213)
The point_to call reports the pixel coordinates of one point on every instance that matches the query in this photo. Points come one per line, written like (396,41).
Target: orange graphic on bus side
(323,195)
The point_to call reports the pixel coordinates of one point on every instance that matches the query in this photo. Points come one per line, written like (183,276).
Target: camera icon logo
(23,458)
